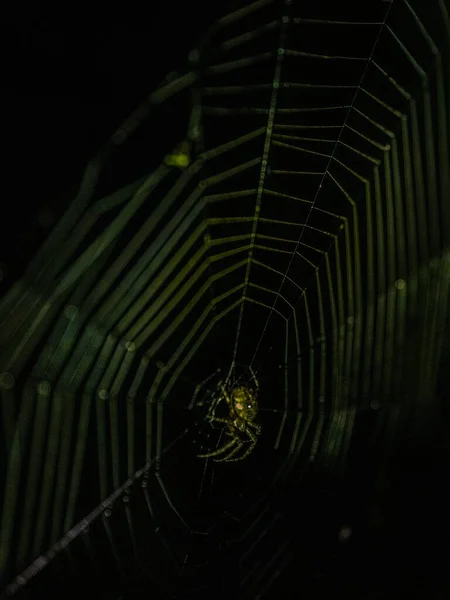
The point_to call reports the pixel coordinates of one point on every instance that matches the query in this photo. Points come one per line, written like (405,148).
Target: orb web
(293,229)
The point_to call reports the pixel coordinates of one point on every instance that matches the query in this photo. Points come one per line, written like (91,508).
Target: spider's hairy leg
(253,439)
(239,445)
(212,409)
(234,451)
(255,426)
(225,393)
(220,450)
(218,420)
(251,435)
(246,453)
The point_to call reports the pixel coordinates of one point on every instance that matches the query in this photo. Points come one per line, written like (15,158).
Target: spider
(243,408)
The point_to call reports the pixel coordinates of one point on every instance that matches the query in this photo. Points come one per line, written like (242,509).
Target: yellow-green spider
(240,426)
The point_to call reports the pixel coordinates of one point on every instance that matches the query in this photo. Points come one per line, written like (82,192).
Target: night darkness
(70,79)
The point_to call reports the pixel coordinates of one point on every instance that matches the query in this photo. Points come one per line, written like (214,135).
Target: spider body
(240,426)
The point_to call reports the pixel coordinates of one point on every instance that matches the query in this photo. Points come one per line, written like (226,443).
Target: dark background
(70,77)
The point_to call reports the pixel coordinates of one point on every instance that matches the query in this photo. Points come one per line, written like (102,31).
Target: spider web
(307,240)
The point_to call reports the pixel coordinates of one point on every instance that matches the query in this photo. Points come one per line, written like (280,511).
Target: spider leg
(251,435)
(212,409)
(225,395)
(218,420)
(253,440)
(220,450)
(246,453)
(255,426)
(235,450)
